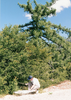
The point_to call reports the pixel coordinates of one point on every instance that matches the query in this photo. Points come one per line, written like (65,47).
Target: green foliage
(36,50)
(40,28)
(11,44)
(2,86)
(13,86)
(19,58)
(58,48)
(68,69)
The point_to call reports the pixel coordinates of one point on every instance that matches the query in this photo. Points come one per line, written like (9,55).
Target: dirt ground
(58,92)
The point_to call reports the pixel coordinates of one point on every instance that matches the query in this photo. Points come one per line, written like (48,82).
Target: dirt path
(59,92)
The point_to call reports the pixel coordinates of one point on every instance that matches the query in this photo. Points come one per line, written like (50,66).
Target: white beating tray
(21,92)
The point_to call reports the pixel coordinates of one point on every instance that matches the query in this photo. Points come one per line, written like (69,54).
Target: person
(33,84)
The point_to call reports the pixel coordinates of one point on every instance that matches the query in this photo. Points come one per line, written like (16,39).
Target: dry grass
(2,95)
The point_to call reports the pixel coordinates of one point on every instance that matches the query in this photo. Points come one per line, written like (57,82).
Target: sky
(12,14)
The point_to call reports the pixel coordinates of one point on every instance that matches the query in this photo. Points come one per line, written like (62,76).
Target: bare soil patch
(61,91)
(63,85)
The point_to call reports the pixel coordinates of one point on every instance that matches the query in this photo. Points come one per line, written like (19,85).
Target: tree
(12,46)
(37,49)
(47,32)
(20,57)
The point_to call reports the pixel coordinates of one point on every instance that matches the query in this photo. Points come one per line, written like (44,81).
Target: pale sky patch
(61,4)
(28,16)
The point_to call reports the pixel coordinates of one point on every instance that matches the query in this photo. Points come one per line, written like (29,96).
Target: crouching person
(33,84)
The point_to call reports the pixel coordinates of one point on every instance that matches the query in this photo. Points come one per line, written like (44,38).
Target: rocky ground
(58,92)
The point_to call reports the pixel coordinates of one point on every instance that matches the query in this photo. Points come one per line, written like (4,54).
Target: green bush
(68,69)
(20,58)
(2,82)
(13,86)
